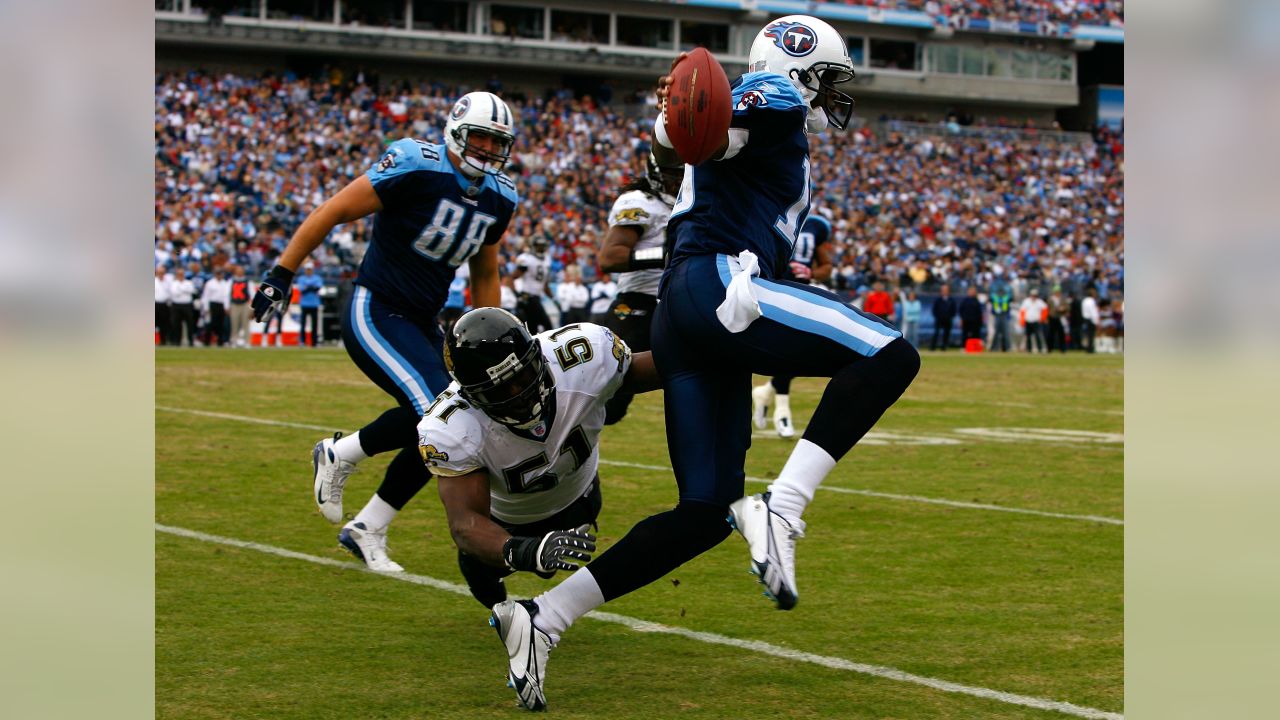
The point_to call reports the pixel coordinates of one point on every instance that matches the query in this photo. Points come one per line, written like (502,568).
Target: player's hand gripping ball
(698,106)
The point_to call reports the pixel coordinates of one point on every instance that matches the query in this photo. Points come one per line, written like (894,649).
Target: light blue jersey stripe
(391,362)
(816,314)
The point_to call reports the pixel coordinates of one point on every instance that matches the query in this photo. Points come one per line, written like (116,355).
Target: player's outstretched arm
(352,202)
(466,503)
(642,376)
(486,288)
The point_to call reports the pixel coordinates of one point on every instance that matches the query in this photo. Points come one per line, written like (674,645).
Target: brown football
(699,107)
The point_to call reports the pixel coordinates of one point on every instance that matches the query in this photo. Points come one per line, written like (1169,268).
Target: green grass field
(1025,604)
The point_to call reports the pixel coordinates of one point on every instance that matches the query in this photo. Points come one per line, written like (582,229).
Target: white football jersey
(530,480)
(537,271)
(649,214)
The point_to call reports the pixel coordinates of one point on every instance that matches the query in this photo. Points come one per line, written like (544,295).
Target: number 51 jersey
(433,219)
(533,479)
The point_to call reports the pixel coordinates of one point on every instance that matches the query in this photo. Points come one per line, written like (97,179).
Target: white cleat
(782,424)
(772,541)
(527,650)
(369,546)
(761,398)
(331,473)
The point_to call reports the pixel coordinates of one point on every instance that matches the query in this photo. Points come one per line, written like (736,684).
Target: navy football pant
(403,356)
(706,371)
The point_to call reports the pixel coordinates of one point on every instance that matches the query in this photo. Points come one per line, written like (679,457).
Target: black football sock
(659,544)
(394,429)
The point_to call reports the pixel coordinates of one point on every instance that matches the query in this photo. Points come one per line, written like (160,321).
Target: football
(699,107)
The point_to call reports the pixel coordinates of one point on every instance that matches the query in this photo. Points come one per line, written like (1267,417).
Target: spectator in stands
(309,286)
(164,294)
(240,294)
(1091,317)
(573,297)
(214,297)
(1032,313)
(944,314)
(911,318)
(971,315)
(183,295)
(240,161)
(879,303)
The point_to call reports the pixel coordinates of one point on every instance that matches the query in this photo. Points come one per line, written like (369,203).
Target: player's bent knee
(901,362)
(705,523)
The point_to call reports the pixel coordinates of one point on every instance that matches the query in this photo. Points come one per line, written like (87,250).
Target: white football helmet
(487,114)
(812,55)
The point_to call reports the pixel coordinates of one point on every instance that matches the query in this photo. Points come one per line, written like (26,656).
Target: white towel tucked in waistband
(740,308)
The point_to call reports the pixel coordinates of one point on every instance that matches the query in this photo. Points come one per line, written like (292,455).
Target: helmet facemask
(822,81)
(518,397)
(476,160)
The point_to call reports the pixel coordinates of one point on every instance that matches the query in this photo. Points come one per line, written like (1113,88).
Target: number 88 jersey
(532,478)
(433,219)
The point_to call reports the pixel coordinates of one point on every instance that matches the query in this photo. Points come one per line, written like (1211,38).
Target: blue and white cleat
(527,650)
(331,473)
(369,546)
(772,541)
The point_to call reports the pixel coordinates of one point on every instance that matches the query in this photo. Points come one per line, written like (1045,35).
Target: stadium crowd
(240,162)
(1072,12)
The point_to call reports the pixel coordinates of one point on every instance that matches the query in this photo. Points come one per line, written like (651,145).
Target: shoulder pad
(506,187)
(407,155)
(765,90)
(451,446)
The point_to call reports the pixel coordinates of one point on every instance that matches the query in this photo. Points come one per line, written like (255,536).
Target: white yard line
(666,468)
(636,624)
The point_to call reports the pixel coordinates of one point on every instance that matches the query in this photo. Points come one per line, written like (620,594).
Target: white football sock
(563,604)
(766,392)
(781,406)
(377,514)
(348,448)
(800,477)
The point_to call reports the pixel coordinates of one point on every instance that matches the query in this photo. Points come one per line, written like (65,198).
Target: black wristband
(647,259)
(281,272)
(521,553)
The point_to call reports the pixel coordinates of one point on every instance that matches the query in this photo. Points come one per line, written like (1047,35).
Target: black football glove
(272,297)
(550,552)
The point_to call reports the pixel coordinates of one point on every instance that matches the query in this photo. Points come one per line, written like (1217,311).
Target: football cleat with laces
(369,546)
(527,650)
(772,541)
(331,473)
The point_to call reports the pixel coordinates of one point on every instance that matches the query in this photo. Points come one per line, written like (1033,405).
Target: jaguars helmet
(539,244)
(499,367)
(813,56)
(480,113)
(664,180)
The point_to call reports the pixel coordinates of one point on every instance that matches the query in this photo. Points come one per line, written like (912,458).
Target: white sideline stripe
(909,498)
(639,625)
(667,468)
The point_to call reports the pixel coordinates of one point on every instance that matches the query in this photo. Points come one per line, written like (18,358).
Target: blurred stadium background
(988,150)
(987,153)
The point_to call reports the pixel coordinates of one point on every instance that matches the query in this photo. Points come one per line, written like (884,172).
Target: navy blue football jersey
(815,231)
(757,199)
(428,225)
